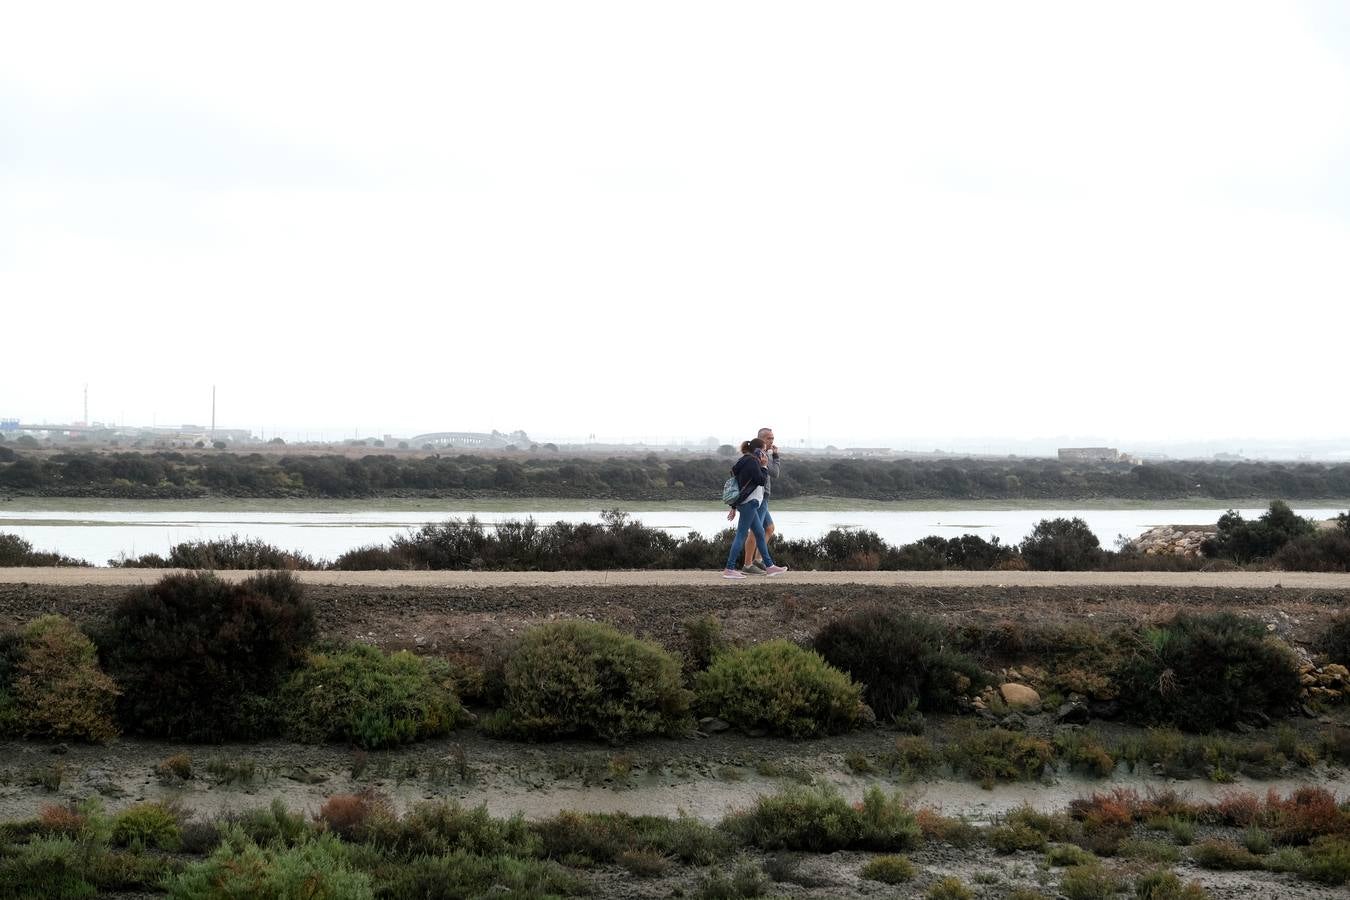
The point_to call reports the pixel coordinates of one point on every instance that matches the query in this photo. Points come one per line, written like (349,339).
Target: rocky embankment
(1173,540)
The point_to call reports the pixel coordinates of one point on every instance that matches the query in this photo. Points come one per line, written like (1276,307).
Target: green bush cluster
(363,696)
(15,551)
(233,552)
(1201,672)
(780,688)
(820,820)
(199,659)
(51,685)
(1244,542)
(586,679)
(902,659)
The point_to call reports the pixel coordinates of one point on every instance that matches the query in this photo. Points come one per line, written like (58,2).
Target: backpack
(731,490)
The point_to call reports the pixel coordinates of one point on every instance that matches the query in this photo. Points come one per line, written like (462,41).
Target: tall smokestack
(213,413)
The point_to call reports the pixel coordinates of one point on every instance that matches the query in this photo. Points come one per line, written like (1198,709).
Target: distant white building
(1089,454)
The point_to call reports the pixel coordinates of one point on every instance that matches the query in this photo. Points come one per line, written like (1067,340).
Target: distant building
(1089,454)
(867,451)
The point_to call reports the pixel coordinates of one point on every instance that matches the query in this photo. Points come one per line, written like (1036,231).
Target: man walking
(754,566)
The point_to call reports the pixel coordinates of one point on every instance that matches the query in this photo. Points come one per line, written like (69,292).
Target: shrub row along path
(650,577)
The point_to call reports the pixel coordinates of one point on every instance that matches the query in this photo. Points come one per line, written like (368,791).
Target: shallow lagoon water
(103,535)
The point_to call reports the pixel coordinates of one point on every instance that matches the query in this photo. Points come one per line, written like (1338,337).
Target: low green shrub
(1069,855)
(1224,855)
(903,659)
(57,689)
(949,888)
(1327,860)
(747,880)
(1208,671)
(437,828)
(819,819)
(593,838)
(1015,838)
(1149,851)
(1089,882)
(703,640)
(1165,885)
(780,688)
(63,868)
(587,679)
(644,863)
(459,875)
(315,870)
(890,869)
(1001,755)
(360,695)
(914,757)
(233,552)
(272,826)
(146,825)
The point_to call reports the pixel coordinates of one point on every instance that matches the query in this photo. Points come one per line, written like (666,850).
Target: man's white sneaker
(775,570)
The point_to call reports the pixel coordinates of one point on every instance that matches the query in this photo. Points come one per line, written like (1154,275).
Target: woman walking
(750,472)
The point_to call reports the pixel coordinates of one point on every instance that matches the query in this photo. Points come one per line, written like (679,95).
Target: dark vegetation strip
(1278,538)
(357,846)
(545,474)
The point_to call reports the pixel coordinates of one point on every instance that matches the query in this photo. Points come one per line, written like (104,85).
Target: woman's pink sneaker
(775,570)
(733,573)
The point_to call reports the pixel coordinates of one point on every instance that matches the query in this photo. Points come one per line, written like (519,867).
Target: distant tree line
(190,475)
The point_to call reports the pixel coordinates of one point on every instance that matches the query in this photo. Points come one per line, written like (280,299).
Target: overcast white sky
(640,220)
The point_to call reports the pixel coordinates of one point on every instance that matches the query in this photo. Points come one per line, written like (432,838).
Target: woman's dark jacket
(749,475)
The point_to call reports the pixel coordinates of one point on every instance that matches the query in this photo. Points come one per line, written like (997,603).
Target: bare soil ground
(472,613)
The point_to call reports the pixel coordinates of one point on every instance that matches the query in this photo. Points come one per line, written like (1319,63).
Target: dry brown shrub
(61,820)
(347,815)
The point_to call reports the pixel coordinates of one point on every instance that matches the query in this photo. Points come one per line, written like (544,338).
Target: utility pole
(213,413)
(86,403)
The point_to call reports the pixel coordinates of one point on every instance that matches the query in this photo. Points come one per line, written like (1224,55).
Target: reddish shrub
(1118,808)
(1307,813)
(1238,808)
(61,820)
(347,815)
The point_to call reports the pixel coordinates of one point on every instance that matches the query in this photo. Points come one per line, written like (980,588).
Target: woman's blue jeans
(749,522)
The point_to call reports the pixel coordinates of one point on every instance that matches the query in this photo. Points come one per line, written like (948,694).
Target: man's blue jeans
(750,522)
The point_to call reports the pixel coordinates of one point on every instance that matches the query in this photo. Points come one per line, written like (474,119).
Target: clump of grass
(914,757)
(1014,838)
(1084,751)
(1089,882)
(644,863)
(1149,851)
(232,770)
(1181,830)
(889,869)
(1327,860)
(818,819)
(584,839)
(1223,856)
(748,880)
(1001,755)
(949,888)
(1256,840)
(1165,885)
(1069,855)
(146,825)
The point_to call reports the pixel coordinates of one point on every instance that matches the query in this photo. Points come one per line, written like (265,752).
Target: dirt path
(648,578)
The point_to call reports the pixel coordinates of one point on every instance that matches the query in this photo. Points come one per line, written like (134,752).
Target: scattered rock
(1019,696)
(1073,713)
(712,725)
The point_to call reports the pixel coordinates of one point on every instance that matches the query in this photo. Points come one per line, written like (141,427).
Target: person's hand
(731,515)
